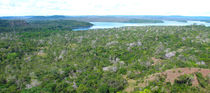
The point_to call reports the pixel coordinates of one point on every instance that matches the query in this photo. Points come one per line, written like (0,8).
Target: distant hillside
(55,17)
(24,25)
(111,18)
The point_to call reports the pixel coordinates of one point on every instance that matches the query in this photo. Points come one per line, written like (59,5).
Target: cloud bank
(104,7)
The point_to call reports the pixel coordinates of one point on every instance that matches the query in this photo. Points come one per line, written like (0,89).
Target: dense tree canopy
(37,25)
(102,61)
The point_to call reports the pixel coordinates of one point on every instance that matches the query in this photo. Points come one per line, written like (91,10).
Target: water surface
(101,25)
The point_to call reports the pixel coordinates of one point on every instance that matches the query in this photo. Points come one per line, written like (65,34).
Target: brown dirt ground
(173,74)
(156,61)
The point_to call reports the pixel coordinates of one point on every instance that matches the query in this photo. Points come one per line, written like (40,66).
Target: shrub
(184,79)
(202,81)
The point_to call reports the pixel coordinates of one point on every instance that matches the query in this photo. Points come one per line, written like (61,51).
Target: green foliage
(202,81)
(145,91)
(40,25)
(50,61)
(103,88)
(122,71)
(82,89)
(184,79)
(12,56)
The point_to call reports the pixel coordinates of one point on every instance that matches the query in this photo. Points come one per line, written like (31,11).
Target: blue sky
(104,7)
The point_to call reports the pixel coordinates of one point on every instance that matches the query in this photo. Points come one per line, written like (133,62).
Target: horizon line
(109,15)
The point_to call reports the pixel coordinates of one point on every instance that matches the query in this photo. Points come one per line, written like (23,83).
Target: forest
(18,25)
(47,57)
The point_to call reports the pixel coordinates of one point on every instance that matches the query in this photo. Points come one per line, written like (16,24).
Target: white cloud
(104,7)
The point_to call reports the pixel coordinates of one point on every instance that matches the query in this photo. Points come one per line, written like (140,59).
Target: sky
(104,7)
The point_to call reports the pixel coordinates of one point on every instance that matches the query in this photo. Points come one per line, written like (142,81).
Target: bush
(184,79)
(202,81)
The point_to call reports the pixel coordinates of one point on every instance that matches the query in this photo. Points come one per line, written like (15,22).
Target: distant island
(207,21)
(144,21)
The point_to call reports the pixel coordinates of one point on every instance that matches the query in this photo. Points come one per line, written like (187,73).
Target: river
(101,25)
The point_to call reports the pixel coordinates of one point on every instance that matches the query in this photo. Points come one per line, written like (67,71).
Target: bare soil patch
(170,75)
(156,61)
(173,74)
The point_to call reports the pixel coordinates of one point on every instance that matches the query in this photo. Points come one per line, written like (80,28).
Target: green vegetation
(96,61)
(184,79)
(181,85)
(204,82)
(37,25)
(144,21)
